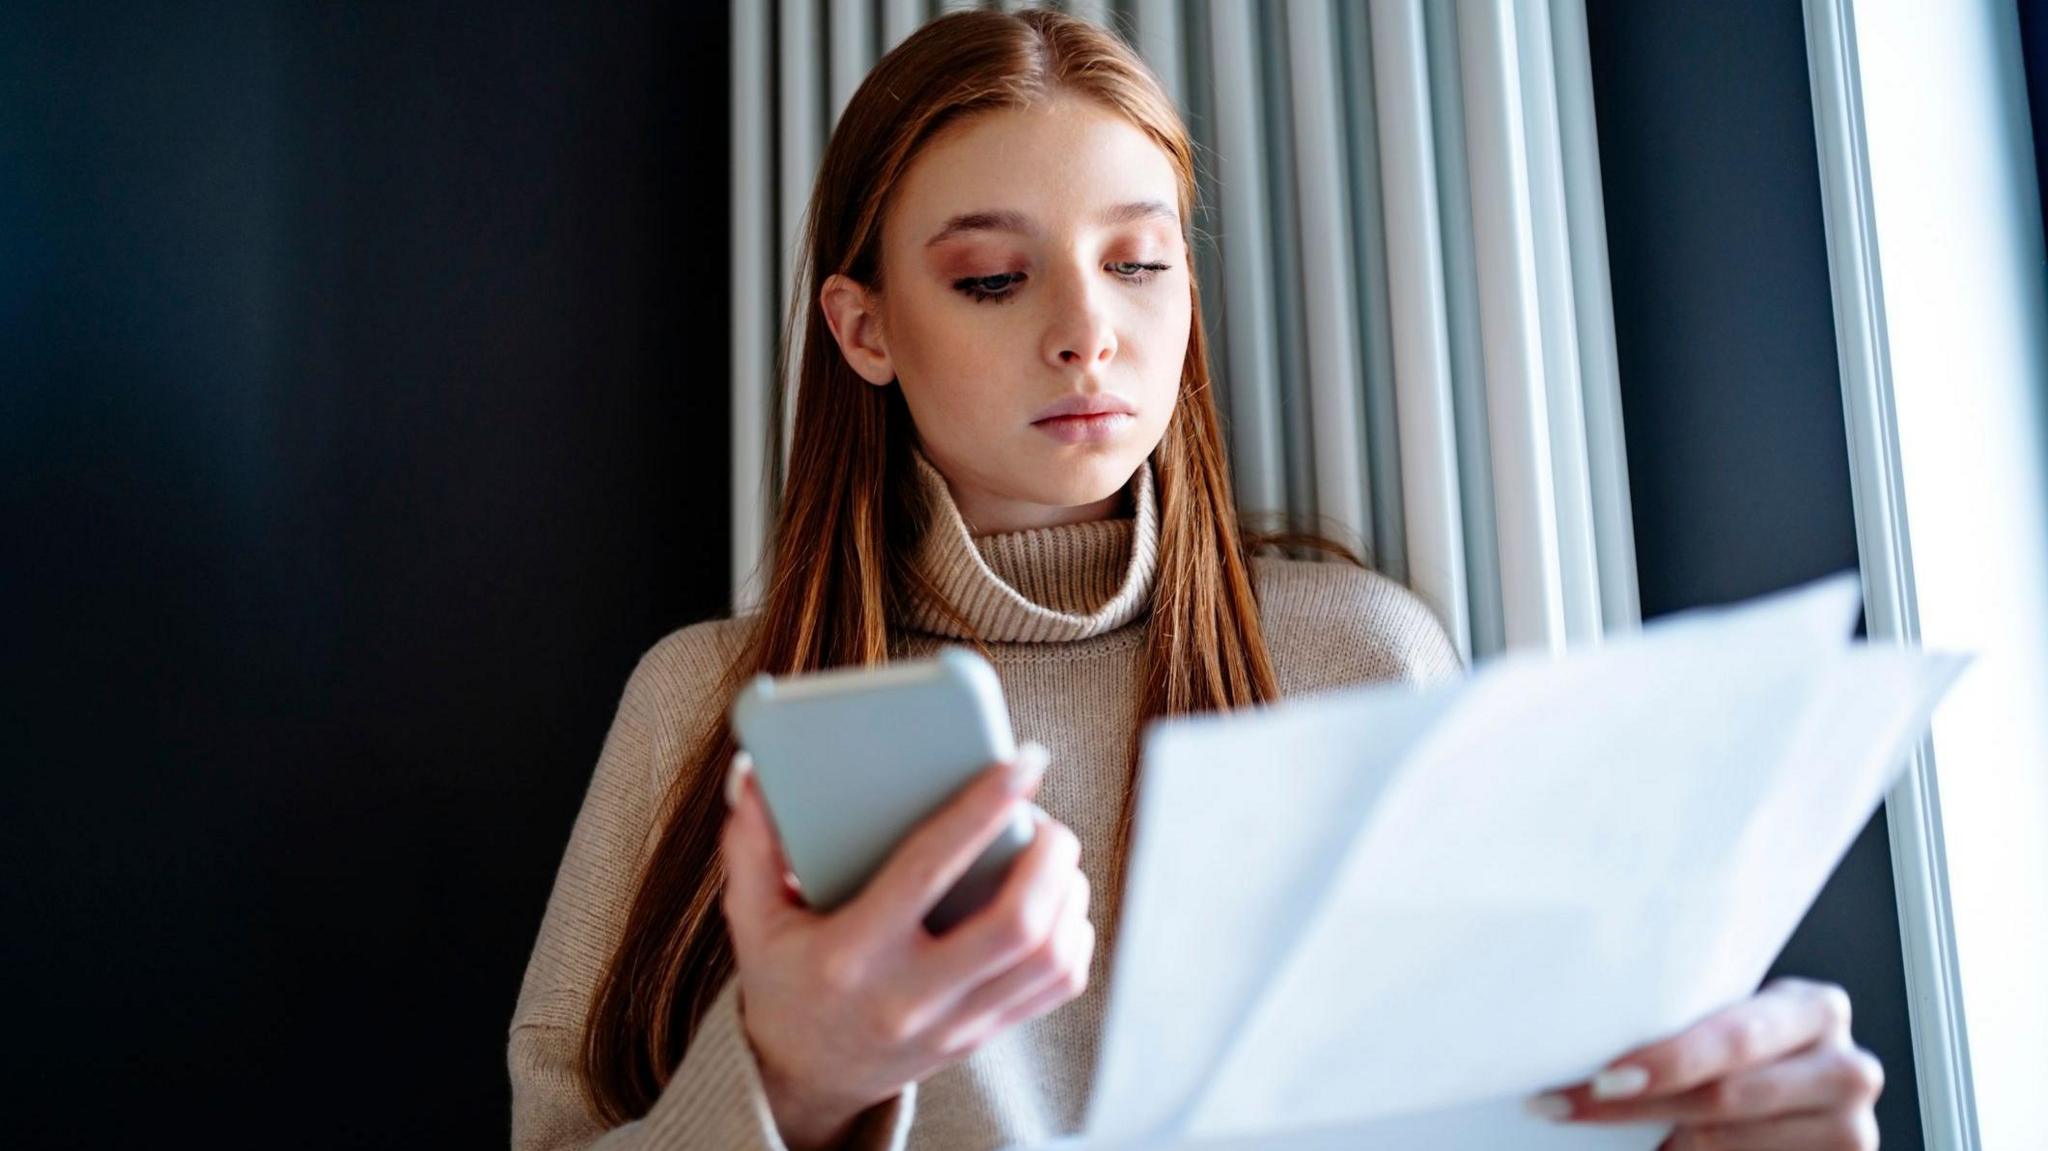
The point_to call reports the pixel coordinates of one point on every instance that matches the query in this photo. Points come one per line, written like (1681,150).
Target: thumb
(925,865)
(757,901)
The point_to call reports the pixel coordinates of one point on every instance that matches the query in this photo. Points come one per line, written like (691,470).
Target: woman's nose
(1080,333)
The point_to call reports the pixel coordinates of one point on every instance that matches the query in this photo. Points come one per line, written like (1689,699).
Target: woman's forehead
(1067,165)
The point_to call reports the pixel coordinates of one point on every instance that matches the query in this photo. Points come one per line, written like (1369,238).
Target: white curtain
(1406,288)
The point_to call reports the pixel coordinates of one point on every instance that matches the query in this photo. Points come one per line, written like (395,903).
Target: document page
(1386,916)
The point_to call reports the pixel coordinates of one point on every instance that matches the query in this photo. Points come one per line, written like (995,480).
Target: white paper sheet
(1385,917)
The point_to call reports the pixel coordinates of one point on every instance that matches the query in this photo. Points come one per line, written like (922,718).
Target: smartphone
(850,760)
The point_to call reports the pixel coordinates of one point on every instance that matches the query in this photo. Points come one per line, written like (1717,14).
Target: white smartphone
(850,760)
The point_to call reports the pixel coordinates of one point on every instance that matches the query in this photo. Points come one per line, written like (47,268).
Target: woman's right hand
(843,1010)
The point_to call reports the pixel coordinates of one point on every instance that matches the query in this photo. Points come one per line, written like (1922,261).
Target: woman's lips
(1085,429)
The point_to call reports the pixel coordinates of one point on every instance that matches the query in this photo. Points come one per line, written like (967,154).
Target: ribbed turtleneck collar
(1042,585)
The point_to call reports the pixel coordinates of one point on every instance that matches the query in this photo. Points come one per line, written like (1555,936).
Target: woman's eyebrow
(1135,211)
(1017,223)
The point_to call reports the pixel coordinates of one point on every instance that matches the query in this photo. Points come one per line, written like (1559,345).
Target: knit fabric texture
(1062,612)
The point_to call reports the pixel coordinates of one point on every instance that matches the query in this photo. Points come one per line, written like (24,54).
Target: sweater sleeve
(714,1098)
(1431,656)
(1331,625)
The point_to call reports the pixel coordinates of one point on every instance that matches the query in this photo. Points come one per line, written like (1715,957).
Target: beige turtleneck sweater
(1062,611)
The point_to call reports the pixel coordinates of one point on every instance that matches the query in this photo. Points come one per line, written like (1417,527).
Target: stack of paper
(1385,917)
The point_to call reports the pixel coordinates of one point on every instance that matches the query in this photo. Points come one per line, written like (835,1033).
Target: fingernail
(1029,763)
(1549,1105)
(736,776)
(1620,1082)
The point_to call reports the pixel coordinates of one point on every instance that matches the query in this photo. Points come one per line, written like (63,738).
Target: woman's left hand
(1777,1070)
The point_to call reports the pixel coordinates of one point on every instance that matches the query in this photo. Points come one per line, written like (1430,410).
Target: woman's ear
(851,312)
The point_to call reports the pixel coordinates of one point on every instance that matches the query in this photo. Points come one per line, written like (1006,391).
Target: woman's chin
(1086,474)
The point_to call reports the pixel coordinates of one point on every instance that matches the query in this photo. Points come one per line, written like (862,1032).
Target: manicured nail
(736,776)
(1550,1105)
(1620,1082)
(1029,763)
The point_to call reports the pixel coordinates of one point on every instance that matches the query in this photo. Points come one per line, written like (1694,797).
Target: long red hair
(849,514)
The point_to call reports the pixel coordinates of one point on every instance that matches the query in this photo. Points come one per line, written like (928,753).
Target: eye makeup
(985,289)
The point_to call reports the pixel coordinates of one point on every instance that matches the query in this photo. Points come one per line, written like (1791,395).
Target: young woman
(1004,435)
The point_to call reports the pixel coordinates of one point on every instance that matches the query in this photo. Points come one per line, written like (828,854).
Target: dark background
(2034,51)
(363,378)
(362,417)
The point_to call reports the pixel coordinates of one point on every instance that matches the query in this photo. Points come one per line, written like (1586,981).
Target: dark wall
(1738,459)
(2034,54)
(362,418)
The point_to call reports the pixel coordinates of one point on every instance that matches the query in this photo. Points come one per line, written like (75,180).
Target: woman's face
(1034,271)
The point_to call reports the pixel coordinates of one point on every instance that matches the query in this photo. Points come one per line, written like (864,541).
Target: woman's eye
(1138,273)
(982,288)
